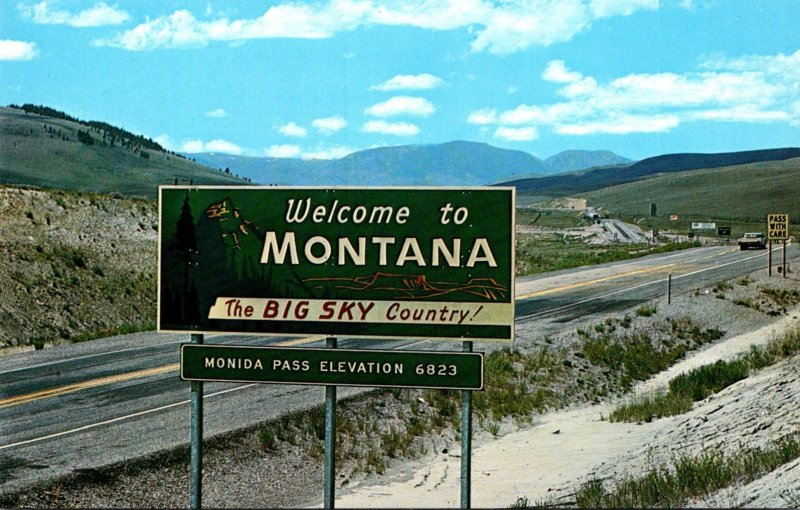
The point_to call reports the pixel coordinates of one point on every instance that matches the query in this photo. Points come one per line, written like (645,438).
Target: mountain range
(457,163)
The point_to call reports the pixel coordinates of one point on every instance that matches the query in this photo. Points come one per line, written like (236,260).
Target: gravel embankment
(74,263)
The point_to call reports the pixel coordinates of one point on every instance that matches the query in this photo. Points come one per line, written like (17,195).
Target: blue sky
(322,79)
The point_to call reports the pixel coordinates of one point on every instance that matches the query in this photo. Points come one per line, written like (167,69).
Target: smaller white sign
(703,226)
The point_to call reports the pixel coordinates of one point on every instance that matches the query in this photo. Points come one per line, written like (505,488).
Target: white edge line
(55,362)
(634,288)
(119,418)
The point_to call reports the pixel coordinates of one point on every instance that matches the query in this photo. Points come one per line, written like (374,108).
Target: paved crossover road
(76,407)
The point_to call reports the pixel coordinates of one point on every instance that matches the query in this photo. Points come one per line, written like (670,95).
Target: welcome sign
(362,262)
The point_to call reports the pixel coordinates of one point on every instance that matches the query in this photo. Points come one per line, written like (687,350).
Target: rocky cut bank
(75,265)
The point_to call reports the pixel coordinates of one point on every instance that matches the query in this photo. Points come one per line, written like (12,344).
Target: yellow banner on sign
(367,311)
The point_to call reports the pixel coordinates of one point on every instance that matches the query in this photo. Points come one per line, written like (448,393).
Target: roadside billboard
(359,262)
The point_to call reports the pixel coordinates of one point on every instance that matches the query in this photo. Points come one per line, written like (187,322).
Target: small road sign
(340,367)
(777,227)
(723,231)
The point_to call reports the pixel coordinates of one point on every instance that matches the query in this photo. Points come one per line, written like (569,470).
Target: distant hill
(745,192)
(448,164)
(572,160)
(57,151)
(603,177)
(275,171)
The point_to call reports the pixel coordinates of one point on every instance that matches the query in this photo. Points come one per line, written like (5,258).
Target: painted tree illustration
(186,250)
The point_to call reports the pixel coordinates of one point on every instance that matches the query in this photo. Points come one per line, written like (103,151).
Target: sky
(322,79)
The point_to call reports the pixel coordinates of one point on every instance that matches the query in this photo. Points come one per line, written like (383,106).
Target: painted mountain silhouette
(415,286)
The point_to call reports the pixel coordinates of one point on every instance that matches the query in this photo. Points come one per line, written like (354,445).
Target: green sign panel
(359,262)
(340,367)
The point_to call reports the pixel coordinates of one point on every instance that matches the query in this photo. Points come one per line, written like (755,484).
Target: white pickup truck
(752,240)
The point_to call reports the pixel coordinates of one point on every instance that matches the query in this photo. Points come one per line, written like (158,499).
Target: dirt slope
(74,263)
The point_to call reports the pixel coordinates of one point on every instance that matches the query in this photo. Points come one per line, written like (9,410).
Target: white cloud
(328,153)
(743,114)
(166,141)
(582,87)
(402,105)
(497,27)
(193,146)
(781,64)
(217,145)
(410,82)
(752,89)
(17,50)
(100,15)
(556,71)
(606,8)
(283,151)
(390,128)
(223,146)
(509,134)
(515,26)
(178,30)
(482,117)
(621,125)
(329,125)
(217,114)
(292,129)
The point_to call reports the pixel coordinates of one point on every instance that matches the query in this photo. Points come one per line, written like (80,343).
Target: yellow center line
(592,282)
(111,379)
(92,383)
(300,341)
(714,255)
(21,399)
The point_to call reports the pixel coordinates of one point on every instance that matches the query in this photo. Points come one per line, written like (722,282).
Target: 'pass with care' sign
(369,262)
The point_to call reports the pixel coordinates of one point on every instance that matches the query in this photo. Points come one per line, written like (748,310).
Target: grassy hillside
(742,193)
(59,153)
(584,181)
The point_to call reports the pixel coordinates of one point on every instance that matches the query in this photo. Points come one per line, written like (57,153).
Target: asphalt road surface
(82,406)
(623,232)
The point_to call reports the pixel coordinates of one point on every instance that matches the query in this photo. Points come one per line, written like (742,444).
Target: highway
(80,406)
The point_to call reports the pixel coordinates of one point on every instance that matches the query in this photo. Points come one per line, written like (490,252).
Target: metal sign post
(329,476)
(784,258)
(196,450)
(669,289)
(466,441)
(769,259)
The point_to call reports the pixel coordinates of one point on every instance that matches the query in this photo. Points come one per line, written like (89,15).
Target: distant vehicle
(752,240)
